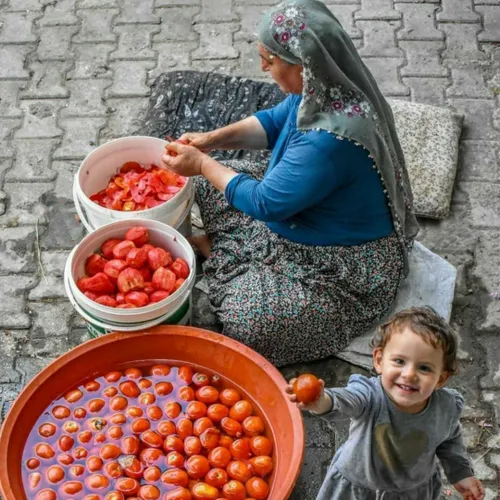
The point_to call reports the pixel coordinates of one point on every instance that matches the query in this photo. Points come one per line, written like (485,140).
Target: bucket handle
(79,210)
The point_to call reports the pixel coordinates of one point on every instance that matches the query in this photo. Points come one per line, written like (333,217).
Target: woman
(306,256)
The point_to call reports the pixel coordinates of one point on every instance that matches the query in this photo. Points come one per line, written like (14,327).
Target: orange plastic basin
(241,365)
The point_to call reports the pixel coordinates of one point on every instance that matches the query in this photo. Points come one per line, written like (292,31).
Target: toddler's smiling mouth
(407,388)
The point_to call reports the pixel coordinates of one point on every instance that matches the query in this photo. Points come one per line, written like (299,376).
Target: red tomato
(239,470)
(44,450)
(132,467)
(107,247)
(158,257)
(219,457)
(96,405)
(149,492)
(139,235)
(207,394)
(130,445)
(165,428)
(201,425)
(152,474)
(46,494)
(47,430)
(203,491)
(162,370)
(261,445)
(158,296)
(94,463)
(152,439)
(231,427)
(106,300)
(138,299)
(186,393)
(262,465)
(173,443)
(172,410)
(240,449)
(100,284)
(192,446)
(65,442)
(61,412)
(241,410)
(178,283)
(163,279)
(82,284)
(307,388)
(72,487)
(73,396)
(137,257)
(257,488)
(129,280)
(33,463)
(197,466)
(114,267)
(210,437)
(196,409)
(201,379)
(180,268)
(139,425)
(131,165)
(113,469)
(177,477)
(164,388)
(151,456)
(229,397)
(252,426)
(184,428)
(97,482)
(110,451)
(217,412)
(216,477)
(174,459)
(179,493)
(127,486)
(55,474)
(121,250)
(94,264)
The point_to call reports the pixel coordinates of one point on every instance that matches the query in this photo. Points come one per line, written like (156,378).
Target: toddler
(401,421)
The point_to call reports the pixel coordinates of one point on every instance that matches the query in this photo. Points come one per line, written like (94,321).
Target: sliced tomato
(131,165)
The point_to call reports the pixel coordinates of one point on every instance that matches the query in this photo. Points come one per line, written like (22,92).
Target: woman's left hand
(185,160)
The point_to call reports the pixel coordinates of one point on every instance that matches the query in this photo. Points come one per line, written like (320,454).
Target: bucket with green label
(102,319)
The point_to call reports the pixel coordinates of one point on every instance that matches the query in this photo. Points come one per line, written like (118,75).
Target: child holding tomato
(402,421)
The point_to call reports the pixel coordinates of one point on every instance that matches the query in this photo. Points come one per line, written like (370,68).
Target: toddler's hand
(321,405)
(470,488)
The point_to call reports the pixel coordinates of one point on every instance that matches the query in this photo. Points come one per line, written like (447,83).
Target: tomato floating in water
(307,388)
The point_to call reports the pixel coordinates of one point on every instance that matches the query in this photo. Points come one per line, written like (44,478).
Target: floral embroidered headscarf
(341,96)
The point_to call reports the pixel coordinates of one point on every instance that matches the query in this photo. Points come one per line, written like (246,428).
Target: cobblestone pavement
(76,73)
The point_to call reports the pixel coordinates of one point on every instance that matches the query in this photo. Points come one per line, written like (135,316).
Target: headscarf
(340,96)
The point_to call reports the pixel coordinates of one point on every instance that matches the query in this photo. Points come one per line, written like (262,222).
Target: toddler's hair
(427,323)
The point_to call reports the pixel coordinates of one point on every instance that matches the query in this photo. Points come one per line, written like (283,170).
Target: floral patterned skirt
(288,301)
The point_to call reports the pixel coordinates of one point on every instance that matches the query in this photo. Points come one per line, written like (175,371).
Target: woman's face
(287,76)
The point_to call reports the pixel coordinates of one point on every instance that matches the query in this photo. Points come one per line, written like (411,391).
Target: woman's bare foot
(202,243)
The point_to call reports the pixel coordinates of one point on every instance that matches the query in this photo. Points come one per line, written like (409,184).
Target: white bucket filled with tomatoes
(131,275)
(122,180)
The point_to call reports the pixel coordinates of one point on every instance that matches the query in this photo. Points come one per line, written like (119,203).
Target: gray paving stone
(459,11)
(25,203)
(17,249)
(130,78)
(427,90)
(86,98)
(250,16)
(13,57)
(484,215)
(50,319)
(9,90)
(450,235)
(486,2)
(55,43)
(423,58)
(479,160)
(17,27)
(32,163)
(12,302)
(461,42)
(379,38)
(478,123)
(7,128)
(48,79)
(377,9)
(491,20)
(385,72)
(31,366)
(97,4)
(8,351)
(23,5)
(125,120)
(491,379)
(65,174)
(223,66)
(96,26)
(134,41)
(482,470)
(176,24)
(54,261)
(49,287)
(345,14)
(215,41)
(215,10)
(40,119)
(40,348)
(91,61)
(169,3)
(59,14)
(468,81)
(79,137)
(137,11)
(172,56)
(5,165)
(249,64)
(418,21)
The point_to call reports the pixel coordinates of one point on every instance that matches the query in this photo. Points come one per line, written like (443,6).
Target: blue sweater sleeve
(303,177)
(274,118)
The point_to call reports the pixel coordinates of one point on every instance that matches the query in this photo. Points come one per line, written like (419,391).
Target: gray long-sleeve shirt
(392,450)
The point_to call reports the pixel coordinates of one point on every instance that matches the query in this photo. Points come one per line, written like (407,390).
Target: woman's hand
(321,405)
(185,160)
(470,488)
(204,141)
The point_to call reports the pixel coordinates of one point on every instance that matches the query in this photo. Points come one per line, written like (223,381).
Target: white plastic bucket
(102,163)
(102,319)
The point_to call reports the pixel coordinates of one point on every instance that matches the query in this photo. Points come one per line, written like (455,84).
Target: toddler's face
(411,369)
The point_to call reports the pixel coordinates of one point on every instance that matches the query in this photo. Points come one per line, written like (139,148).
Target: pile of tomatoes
(138,187)
(131,272)
(159,432)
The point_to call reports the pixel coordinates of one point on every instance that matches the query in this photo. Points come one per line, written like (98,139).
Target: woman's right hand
(320,405)
(204,141)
